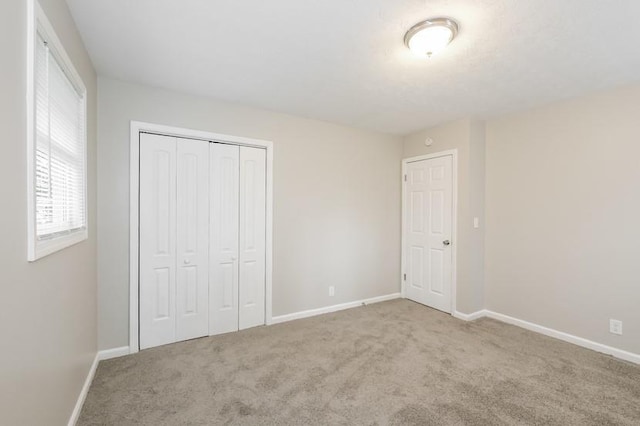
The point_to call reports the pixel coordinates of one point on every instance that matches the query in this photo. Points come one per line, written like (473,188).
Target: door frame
(453,153)
(138,127)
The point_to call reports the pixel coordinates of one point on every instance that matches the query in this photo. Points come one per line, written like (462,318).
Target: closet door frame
(138,127)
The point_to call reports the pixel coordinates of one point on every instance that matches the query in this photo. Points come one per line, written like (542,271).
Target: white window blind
(59,149)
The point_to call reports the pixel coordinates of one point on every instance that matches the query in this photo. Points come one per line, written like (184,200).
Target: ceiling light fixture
(429,37)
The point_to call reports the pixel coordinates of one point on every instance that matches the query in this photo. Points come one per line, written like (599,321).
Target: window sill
(44,248)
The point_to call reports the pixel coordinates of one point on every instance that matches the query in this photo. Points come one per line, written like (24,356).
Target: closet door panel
(192,288)
(252,255)
(157,240)
(223,241)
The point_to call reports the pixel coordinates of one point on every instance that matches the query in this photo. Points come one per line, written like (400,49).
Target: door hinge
(405,178)
(405,277)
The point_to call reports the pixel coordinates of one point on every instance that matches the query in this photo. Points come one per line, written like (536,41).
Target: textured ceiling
(344,61)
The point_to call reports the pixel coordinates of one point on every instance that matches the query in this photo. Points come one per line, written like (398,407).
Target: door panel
(157,240)
(252,236)
(428,224)
(416,265)
(223,242)
(192,288)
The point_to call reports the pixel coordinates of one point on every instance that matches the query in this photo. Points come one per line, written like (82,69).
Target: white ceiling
(344,61)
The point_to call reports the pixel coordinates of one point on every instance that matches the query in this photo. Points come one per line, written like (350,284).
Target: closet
(201,238)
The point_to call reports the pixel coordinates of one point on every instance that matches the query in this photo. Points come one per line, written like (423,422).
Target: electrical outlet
(615,326)
(332,291)
(476,222)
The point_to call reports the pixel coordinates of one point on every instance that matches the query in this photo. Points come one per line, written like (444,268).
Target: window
(57,145)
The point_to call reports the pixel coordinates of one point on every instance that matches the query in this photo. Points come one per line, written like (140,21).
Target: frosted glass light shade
(431,36)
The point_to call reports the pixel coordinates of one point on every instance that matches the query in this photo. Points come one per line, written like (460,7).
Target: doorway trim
(453,153)
(138,127)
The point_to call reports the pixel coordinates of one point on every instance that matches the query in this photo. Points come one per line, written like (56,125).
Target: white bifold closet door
(202,238)
(174,239)
(237,238)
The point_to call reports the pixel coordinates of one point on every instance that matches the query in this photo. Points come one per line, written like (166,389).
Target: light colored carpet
(390,363)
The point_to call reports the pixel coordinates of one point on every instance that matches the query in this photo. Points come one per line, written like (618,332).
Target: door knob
(446,242)
(187,261)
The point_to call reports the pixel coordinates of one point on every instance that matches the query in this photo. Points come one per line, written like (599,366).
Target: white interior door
(223,242)
(157,240)
(427,217)
(252,255)
(192,283)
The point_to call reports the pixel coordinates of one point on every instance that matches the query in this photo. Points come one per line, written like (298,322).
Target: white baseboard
(101,355)
(570,338)
(585,343)
(333,308)
(113,353)
(83,393)
(469,317)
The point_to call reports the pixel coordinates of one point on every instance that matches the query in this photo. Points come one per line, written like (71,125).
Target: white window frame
(38,23)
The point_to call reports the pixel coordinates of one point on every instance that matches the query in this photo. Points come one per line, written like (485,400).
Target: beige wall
(563,204)
(336,200)
(467,136)
(48,308)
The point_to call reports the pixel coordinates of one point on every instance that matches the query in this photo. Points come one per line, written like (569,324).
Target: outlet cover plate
(615,326)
